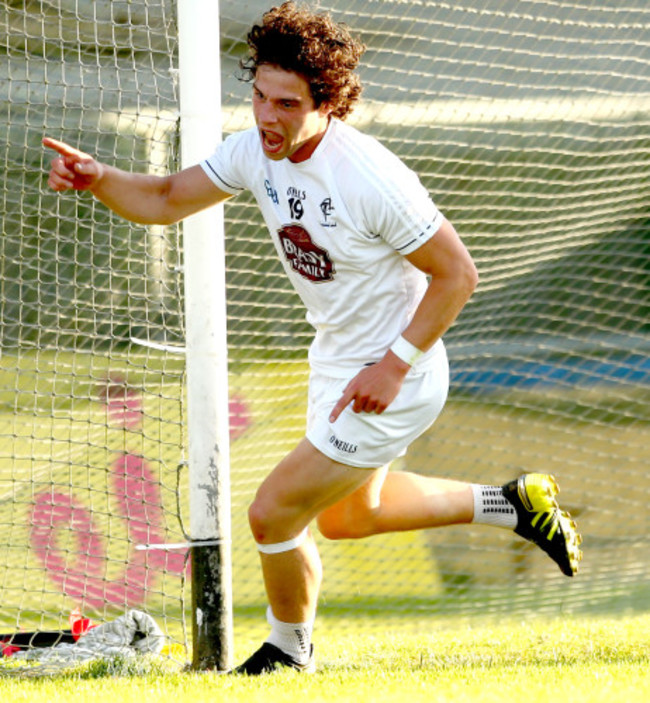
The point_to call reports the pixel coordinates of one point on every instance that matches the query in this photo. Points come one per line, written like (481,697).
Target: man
(382,274)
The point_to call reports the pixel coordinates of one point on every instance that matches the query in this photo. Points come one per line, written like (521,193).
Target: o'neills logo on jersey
(306,258)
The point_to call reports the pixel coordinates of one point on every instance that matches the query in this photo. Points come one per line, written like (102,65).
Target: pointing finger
(60,147)
(343,401)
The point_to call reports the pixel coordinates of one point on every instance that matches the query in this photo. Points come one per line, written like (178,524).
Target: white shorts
(368,440)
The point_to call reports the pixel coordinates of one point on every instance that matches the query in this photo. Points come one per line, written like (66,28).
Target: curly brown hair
(312,45)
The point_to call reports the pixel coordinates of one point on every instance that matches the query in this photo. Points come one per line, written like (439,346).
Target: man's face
(289,124)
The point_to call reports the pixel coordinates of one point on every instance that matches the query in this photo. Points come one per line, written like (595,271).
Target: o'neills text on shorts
(343,446)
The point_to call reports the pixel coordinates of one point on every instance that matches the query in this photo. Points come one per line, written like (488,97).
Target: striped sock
(491,507)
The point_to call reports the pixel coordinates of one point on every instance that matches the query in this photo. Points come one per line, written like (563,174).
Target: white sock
(492,508)
(293,639)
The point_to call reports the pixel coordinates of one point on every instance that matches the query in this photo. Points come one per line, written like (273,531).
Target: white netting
(91,431)
(529,123)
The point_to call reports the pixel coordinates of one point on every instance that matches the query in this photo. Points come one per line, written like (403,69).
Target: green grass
(583,659)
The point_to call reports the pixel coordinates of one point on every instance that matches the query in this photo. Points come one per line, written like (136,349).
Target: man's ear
(325,110)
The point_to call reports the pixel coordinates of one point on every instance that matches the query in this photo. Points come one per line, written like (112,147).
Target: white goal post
(206,347)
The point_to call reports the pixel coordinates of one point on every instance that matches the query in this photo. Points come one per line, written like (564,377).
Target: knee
(329,527)
(261,520)
(270,522)
(345,523)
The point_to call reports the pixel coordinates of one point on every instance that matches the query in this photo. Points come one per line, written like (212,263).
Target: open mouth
(271,141)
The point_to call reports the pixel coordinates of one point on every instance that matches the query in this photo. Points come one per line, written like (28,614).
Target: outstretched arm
(138,197)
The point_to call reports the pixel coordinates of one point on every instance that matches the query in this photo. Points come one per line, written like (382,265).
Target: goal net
(528,121)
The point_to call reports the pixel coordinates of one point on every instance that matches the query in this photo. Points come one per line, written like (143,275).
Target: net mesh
(528,121)
(91,418)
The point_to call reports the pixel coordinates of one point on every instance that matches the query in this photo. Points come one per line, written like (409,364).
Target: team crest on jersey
(328,213)
(306,258)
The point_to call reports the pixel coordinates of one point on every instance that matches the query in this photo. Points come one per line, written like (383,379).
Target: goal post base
(211,609)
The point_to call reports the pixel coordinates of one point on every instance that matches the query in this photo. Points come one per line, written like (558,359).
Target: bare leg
(304,484)
(397,502)
(292,581)
(348,502)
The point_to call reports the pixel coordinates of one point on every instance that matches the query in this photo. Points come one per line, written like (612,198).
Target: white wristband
(406,351)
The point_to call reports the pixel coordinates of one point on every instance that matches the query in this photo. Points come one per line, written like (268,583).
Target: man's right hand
(72,169)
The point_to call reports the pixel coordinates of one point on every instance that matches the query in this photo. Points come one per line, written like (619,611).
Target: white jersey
(341,222)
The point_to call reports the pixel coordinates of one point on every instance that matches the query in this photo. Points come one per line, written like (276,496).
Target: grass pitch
(578,660)
(398,654)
